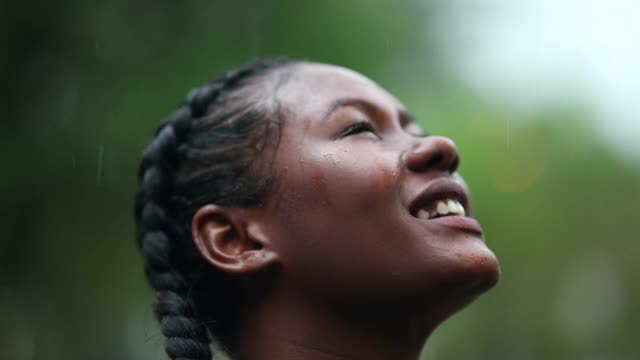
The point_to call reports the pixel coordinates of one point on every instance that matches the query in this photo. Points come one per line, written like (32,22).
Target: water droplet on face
(333,159)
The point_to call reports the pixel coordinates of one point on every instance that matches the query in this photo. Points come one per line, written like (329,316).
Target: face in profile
(367,210)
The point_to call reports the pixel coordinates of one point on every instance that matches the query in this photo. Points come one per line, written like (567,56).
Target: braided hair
(201,154)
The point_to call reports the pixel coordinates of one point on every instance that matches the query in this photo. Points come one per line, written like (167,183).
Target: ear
(231,240)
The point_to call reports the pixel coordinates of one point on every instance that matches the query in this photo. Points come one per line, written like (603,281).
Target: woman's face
(355,176)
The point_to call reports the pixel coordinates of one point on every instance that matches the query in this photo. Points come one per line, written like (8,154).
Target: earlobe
(231,241)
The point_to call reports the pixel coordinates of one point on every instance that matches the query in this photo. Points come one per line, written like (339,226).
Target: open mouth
(440,208)
(445,202)
(443,197)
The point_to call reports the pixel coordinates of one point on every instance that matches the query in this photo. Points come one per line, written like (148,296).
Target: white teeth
(461,210)
(457,207)
(423,214)
(444,207)
(453,206)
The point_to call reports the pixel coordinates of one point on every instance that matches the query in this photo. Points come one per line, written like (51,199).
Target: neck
(282,328)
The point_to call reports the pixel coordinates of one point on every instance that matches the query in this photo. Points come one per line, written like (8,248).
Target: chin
(465,276)
(487,272)
(467,279)
(477,273)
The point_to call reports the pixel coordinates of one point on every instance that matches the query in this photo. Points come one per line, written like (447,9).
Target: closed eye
(357,128)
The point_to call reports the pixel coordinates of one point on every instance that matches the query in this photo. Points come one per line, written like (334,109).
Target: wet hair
(208,151)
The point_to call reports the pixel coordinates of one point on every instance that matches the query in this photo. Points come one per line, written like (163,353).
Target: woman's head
(309,180)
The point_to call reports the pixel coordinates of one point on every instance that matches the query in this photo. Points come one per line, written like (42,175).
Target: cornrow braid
(189,163)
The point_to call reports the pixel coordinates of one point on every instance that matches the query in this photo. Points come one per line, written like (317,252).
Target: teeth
(453,206)
(461,210)
(444,207)
(423,214)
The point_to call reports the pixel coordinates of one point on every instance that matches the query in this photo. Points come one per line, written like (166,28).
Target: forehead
(313,87)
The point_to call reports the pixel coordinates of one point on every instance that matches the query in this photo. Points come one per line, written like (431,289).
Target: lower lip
(459,222)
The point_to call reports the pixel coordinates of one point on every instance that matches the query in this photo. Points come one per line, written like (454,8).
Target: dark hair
(203,153)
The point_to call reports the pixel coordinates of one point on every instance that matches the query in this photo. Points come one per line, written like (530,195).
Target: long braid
(163,208)
(186,338)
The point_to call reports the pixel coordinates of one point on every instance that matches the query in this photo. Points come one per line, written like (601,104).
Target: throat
(285,329)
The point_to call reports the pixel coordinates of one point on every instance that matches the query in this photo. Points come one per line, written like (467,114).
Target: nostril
(434,153)
(443,162)
(435,161)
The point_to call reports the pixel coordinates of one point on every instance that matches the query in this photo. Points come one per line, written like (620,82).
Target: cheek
(331,208)
(346,179)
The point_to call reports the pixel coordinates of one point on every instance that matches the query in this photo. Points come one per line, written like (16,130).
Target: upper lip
(440,189)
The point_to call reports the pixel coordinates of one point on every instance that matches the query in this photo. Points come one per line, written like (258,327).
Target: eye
(357,128)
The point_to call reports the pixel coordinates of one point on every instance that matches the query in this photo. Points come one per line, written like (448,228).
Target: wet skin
(359,275)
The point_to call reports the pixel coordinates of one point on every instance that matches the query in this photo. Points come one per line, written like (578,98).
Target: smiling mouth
(445,202)
(441,208)
(443,197)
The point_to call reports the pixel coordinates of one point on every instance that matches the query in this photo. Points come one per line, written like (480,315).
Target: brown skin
(359,277)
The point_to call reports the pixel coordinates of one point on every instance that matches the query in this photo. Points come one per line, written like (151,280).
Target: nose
(433,153)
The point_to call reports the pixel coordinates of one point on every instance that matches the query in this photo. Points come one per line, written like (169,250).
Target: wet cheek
(304,187)
(359,169)
(333,176)
(336,182)
(383,176)
(328,193)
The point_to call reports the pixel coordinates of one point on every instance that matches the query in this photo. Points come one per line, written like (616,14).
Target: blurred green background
(85,83)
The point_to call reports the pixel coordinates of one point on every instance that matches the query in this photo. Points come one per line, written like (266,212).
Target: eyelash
(364,126)
(359,127)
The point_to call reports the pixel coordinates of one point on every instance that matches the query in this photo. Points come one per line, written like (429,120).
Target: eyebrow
(368,107)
